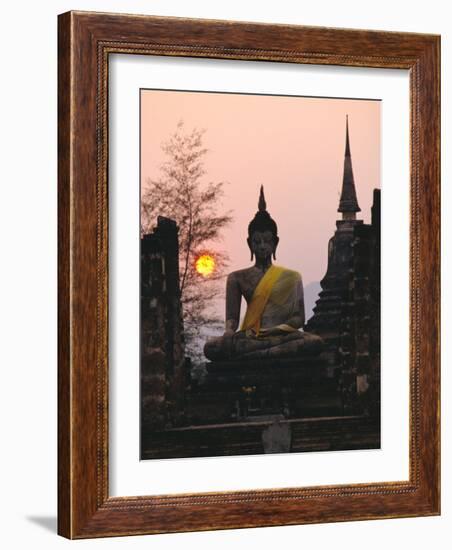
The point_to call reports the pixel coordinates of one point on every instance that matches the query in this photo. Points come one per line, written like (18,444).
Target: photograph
(260,273)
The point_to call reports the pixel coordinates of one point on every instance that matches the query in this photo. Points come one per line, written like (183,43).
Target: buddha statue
(272,326)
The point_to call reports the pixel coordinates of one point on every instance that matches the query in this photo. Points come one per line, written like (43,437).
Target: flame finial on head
(262,221)
(262,205)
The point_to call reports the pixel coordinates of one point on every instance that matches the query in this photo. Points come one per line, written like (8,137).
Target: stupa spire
(348,204)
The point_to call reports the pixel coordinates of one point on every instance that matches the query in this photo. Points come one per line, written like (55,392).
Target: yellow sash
(260,298)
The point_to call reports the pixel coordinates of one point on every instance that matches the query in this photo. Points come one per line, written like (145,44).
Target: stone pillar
(163,365)
(360,338)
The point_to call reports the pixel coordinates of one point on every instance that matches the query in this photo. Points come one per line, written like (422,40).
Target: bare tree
(183,194)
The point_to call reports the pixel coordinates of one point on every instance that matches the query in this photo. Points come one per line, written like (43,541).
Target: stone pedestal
(238,390)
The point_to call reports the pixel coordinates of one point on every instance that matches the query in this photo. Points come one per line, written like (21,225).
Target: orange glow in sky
(205,265)
(294,146)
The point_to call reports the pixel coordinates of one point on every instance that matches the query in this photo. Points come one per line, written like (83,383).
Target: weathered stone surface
(336,433)
(239,346)
(277,436)
(163,362)
(347,314)
(288,386)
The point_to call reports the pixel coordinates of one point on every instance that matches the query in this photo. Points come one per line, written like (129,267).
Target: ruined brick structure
(347,313)
(163,363)
(359,350)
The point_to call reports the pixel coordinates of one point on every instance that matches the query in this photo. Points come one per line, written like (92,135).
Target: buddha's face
(263,244)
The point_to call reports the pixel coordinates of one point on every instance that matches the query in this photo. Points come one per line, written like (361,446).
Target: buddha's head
(262,232)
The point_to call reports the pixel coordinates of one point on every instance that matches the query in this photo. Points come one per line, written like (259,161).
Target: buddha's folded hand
(272,331)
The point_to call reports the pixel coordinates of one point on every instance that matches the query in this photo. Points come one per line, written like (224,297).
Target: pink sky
(294,146)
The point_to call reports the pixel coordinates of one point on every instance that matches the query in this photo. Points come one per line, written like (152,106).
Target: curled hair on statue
(262,221)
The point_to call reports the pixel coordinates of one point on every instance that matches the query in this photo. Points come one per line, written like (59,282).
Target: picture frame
(85,507)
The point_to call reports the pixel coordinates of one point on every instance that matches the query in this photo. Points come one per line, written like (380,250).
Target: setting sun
(205,265)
